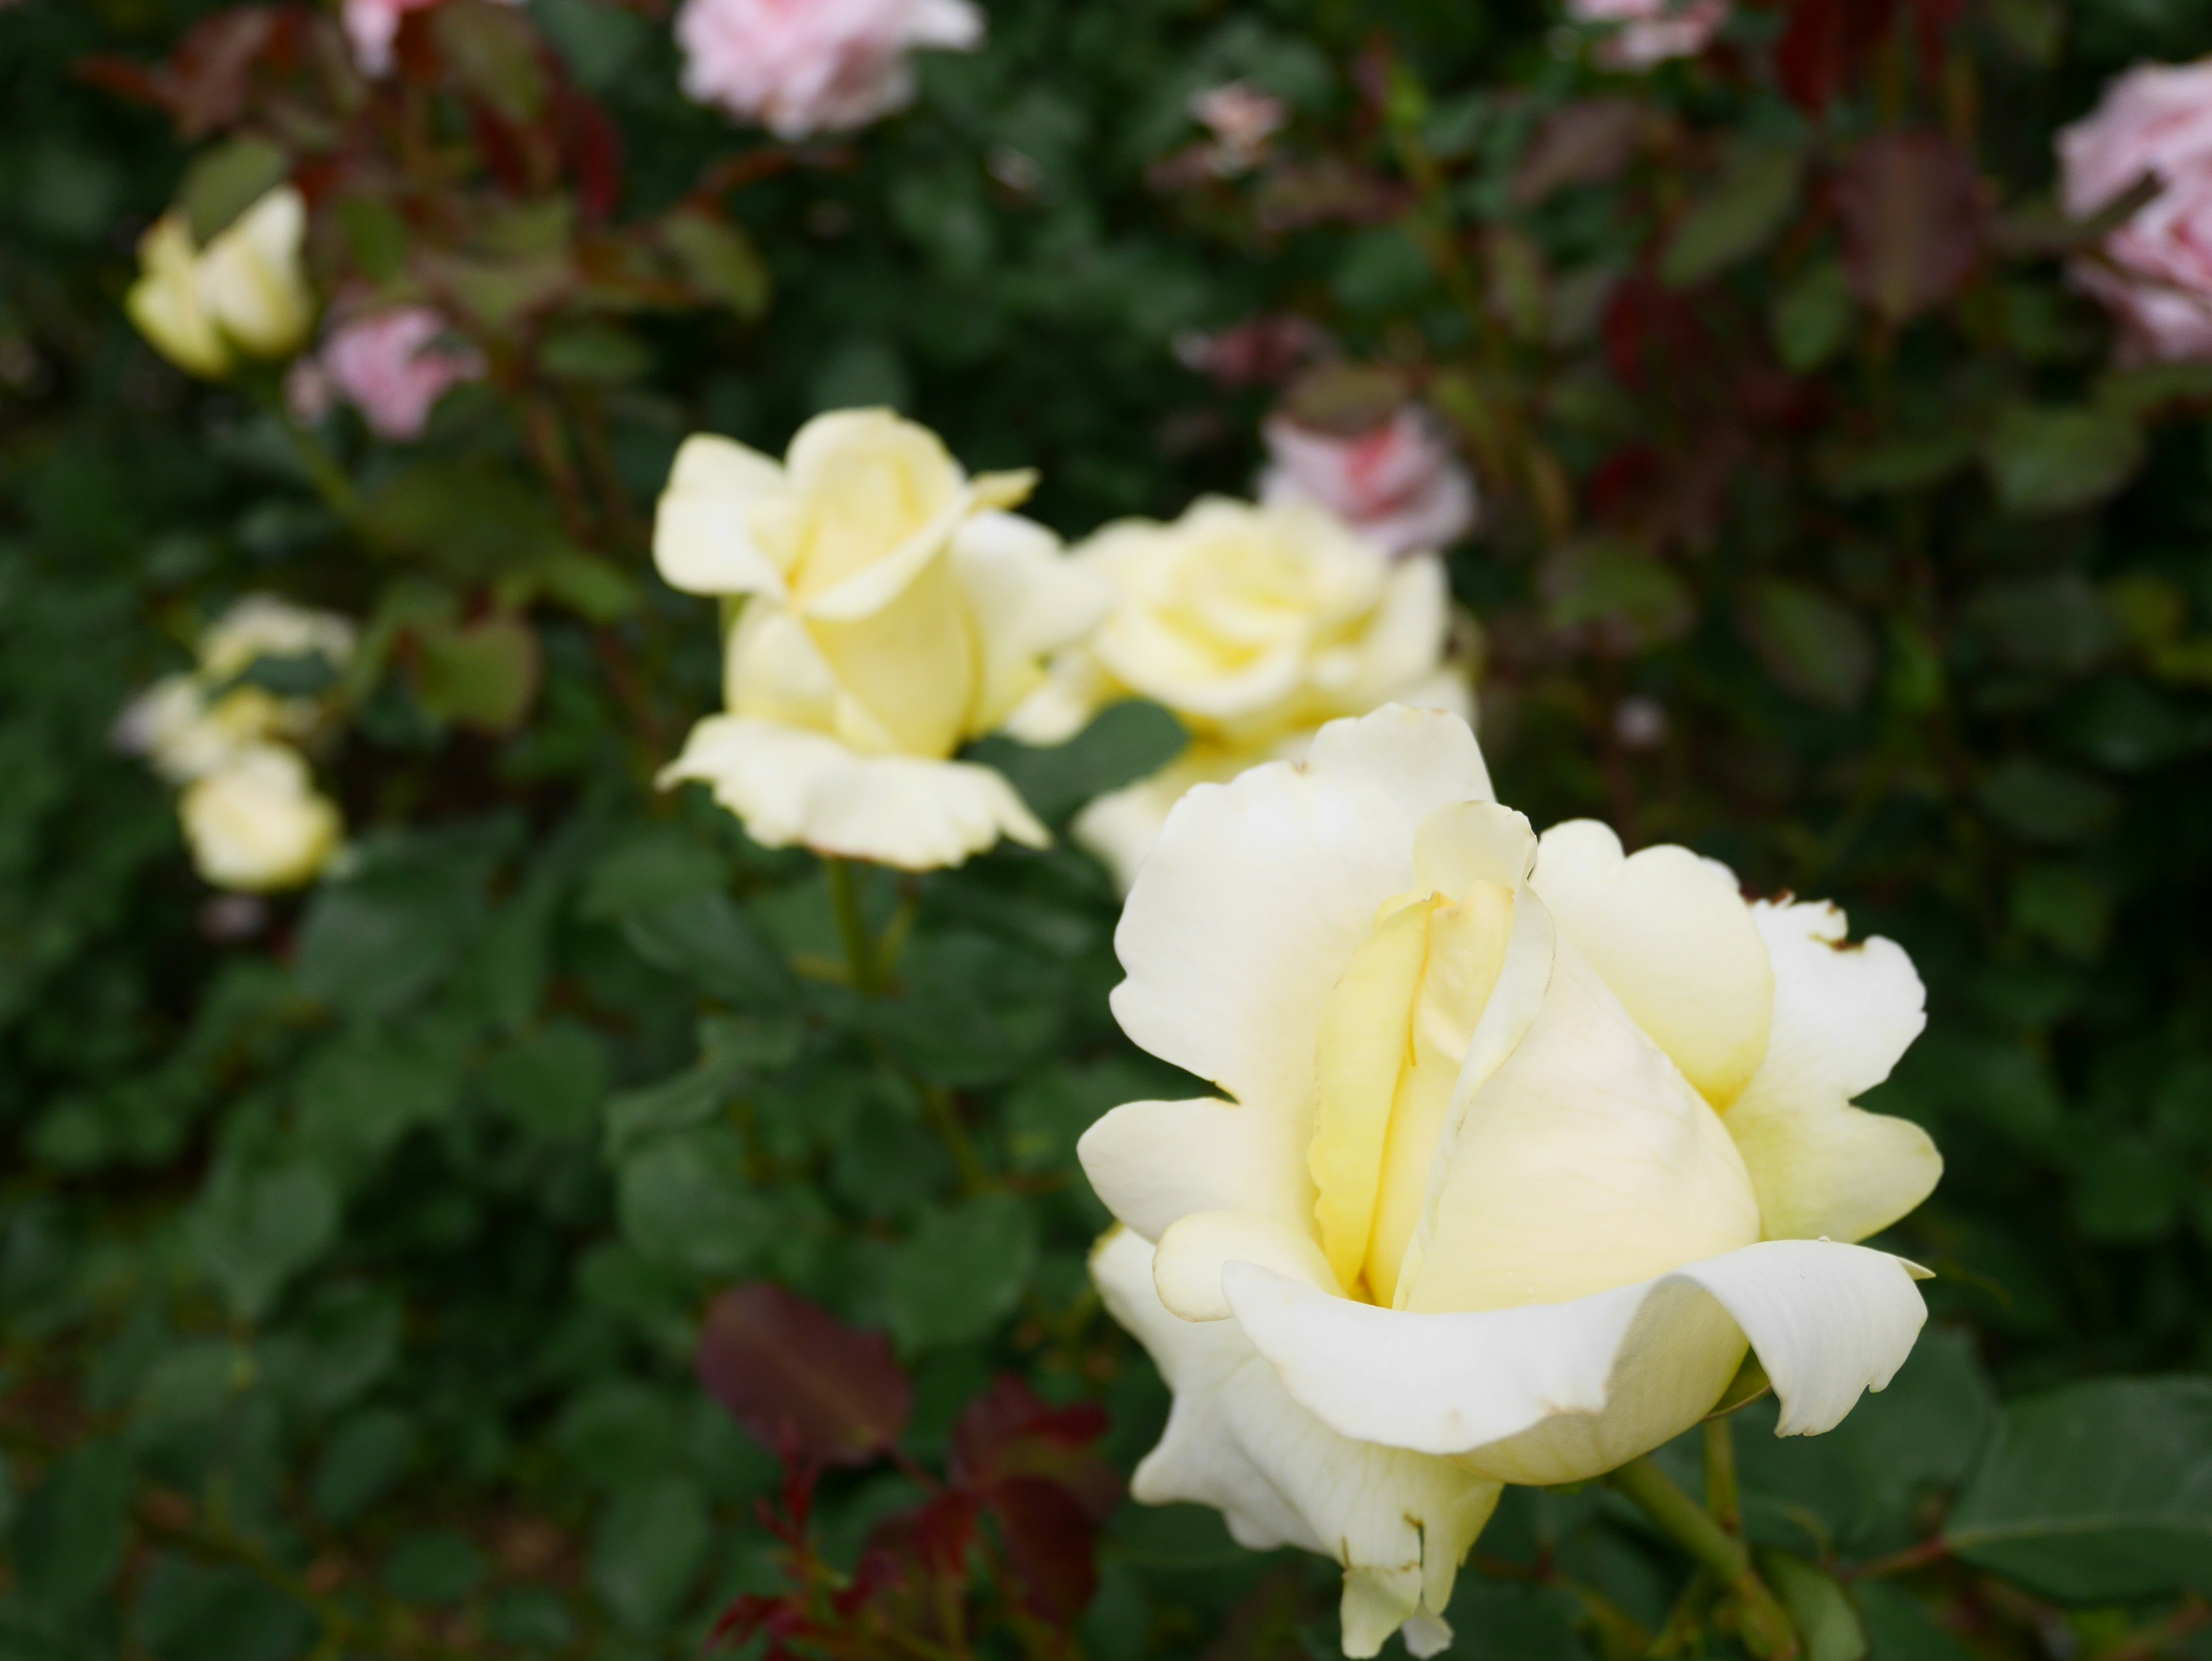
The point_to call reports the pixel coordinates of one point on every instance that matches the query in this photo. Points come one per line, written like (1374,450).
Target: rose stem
(1766,1631)
(860,947)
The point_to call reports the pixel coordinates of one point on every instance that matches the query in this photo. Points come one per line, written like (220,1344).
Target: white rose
(892,612)
(1520,1145)
(245,293)
(189,725)
(256,823)
(1254,625)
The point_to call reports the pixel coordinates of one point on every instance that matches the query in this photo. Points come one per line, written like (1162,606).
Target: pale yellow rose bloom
(1253,626)
(245,295)
(189,725)
(1521,1145)
(256,823)
(892,609)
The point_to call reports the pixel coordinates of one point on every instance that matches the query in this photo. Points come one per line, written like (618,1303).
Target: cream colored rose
(189,725)
(256,823)
(893,611)
(243,294)
(1521,1144)
(1254,625)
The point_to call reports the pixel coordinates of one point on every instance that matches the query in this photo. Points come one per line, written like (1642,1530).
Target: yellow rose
(245,293)
(1522,1143)
(893,611)
(256,823)
(1253,626)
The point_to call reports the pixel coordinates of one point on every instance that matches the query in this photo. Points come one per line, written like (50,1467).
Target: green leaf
(685,1199)
(1812,316)
(707,938)
(597,354)
(2097,1492)
(1811,644)
(2055,460)
(347,1339)
(553,1083)
(494,52)
(1621,599)
(359,1094)
(1902,463)
(1744,209)
(435,1566)
(1125,743)
(375,235)
(719,259)
(375,944)
(648,1549)
(482,676)
(1818,1606)
(368,1456)
(961,1273)
(466,517)
(191,1612)
(618,1431)
(2042,803)
(1900,1628)
(657,864)
(69,1540)
(227,180)
(976,1010)
(255,1230)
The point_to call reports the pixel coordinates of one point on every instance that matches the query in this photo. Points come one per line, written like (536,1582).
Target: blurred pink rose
(1651,30)
(391,366)
(1399,486)
(1243,119)
(1263,350)
(373,25)
(2155,121)
(799,67)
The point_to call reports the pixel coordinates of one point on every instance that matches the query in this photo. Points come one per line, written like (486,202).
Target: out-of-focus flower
(1399,485)
(245,293)
(373,25)
(256,823)
(2154,121)
(1260,351)
(1651,31)
(1519,1146)
(392,366)
(1253,626)
(892,609)
(1243,119)
(801,67)
(190,725)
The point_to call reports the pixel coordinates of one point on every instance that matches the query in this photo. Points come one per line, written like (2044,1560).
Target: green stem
(328,478)
(853,927)
(1722,1500)
(944,1114)
(1766,1628)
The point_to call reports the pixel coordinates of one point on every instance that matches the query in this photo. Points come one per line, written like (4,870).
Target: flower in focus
(1521,1144)
(1651,31)
(801,67)
(1241,120)
(257,824)
(893,611)
(245,293)
(373,27)
(1253,626)
(2155,277)
(1399,485)
(392,366)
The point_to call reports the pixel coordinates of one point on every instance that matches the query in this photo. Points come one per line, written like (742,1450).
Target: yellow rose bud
(243,294)
(257,824)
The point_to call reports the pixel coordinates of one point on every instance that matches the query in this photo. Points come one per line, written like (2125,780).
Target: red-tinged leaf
(1009,1433)
(1650,332)
(592,148)
(205,84)
(1585,142)
(1825,44)
(1913,211)
(794,1376)
(909,1562)
(1051,1544)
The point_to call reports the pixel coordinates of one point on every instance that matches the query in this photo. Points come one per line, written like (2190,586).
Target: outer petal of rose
(1399,1522)
(1671,935)
(165,302)
(1259,891)
(1155,1162)
(1028,598)
(1843,1015)
(703,538)
(1188,1264)
(1560,1393)
(1406,640)
(790,785)
(251,279)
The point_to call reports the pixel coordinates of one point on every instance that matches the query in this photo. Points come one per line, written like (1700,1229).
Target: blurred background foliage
(354,1249)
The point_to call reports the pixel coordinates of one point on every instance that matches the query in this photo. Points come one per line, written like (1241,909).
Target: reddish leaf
(1051,1545)
(1649,332)
(1585,142)
(1913,211)
(592,148)
(1825,44)
(799,1379)
(1008,1435)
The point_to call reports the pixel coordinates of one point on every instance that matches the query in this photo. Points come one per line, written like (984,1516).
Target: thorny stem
(1898,1562)
(1765,1627)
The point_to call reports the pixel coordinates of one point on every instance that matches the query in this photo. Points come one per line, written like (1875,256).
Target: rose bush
(891,609)
(1521,1143)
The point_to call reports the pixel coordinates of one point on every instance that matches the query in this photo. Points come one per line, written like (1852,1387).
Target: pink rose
(373,25)
(1399,486)
(391,366)
(2155,121)
(1241,120)
(1264,351)
(1651,30)
(799,67)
